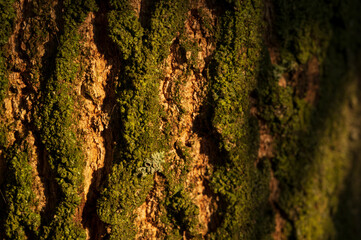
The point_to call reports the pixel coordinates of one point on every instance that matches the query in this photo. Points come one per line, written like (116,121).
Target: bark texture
(173,119)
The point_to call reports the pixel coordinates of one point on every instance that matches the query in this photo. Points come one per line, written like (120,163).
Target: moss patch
(22,220)
(55,125)
(311,140)
(243,189)
(142,51)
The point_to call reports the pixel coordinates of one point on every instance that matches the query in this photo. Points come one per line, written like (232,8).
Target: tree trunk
(173,119)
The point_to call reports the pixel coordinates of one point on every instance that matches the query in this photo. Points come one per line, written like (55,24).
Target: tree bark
(171,119)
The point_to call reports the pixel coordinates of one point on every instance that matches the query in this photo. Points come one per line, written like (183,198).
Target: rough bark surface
(172,119)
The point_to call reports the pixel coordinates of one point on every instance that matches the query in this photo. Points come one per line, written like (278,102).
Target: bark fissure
(99,128)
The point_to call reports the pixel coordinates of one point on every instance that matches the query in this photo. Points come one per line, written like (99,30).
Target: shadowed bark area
(173,119)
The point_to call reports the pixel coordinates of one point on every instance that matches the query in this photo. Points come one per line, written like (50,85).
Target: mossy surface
(22,220)
(311,139)
(242,187)
(178,211)
(7,17)
(181,214)
(55,125)
(142,52)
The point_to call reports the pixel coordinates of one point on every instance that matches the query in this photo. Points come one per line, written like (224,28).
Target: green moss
(310,162)
(243,189)
(7,17)
(21,219)
(142,51)
(190,48)
(182,213)
(303,27)
(311,140)
(178,212)
(43,28)
(55,125)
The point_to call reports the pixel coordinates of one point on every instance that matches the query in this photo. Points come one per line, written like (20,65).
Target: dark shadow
(210,139)
(47,176)
(347,216)
(146,12)
(330,100)
(202,124)
(90,218)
